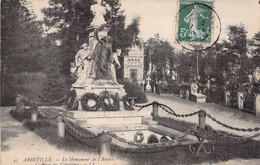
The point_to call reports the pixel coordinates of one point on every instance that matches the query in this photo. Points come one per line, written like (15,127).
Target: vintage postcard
(122,82)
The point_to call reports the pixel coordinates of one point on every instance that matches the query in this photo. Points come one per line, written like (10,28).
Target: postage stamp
(196,24)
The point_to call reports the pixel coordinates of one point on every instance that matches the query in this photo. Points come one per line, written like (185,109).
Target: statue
(98,11)
(83,63)
(102,57)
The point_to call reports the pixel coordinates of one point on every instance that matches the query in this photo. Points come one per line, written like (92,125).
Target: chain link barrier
(233,128)
(166,109)
(79,133)
(47,116)
(43,103)
(171,111)
(140,145)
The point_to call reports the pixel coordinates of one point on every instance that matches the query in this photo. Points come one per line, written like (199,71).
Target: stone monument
(195,96)
(94,68)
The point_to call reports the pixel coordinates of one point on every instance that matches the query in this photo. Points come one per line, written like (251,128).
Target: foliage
(133,90)
(20,39)
(255,50)
(161,54)
(70,19)
(56,85)
(25,83)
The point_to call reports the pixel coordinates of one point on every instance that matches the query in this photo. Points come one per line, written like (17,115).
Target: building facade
(134,65)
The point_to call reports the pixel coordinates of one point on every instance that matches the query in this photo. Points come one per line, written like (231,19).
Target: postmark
(198,25)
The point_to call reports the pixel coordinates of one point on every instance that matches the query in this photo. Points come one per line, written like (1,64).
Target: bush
(26,84)
(133,90)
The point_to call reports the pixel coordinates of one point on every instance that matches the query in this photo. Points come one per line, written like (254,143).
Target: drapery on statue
(102,57)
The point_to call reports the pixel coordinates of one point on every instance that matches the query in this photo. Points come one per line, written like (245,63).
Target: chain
(142,106)
(125,141)
(46,116)
(181,137)
(44,103)
(78,132)
(237,138)
(170,111)
(233,128)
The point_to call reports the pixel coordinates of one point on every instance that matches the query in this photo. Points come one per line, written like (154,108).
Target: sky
(159,16)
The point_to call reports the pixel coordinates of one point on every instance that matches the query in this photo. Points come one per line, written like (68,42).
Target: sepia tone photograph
(129,82)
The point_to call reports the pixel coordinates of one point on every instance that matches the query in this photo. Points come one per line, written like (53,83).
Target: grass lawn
(225,148)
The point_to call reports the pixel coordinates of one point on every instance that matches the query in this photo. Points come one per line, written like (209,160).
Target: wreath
(109,101)
(164,139)
(90,102)
(139,137)
(128,105)
(71,102)
(152,139)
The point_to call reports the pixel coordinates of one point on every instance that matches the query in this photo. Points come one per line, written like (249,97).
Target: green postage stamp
(195,23)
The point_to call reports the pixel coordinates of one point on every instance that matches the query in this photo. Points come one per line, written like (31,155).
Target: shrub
(26,84)
(133,90)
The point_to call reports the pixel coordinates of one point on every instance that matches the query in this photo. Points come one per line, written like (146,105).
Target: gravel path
(17,142)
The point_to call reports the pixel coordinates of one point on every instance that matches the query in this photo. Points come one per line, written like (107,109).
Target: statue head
(118,51)
(84,46)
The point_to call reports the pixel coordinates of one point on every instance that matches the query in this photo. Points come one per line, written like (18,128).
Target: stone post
(181,93)
(257,104)
(240,100)
(227,98)
(19,103)
(105,144)
(202,119)
(80,106)
(34,112)
(60,126)
(187,94)
(155,109)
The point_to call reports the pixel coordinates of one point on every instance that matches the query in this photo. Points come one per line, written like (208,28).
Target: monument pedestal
(95,91)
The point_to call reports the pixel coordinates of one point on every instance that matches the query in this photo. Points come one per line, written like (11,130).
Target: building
(134,64)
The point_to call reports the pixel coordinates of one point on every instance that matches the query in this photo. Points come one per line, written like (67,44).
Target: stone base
(105,118)
(99,86)
(198,97)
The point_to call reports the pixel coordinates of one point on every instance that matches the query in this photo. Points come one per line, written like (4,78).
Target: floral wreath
(109,101)
(128,105)
(139,137)
(71,102)
(90,102)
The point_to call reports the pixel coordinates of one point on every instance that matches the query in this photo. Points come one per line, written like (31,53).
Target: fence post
(80,105)
(105,144)
(202,119)
(19,103)
(187,94)
(257,104)
(60,126)
(227,98)
(240,100)
(155,109)
(34,114)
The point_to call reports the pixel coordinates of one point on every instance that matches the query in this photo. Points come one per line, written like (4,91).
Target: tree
(255,51)
(20,40)
(160,52)
(21,36)
(70,19)
(238,39)
(238,48)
